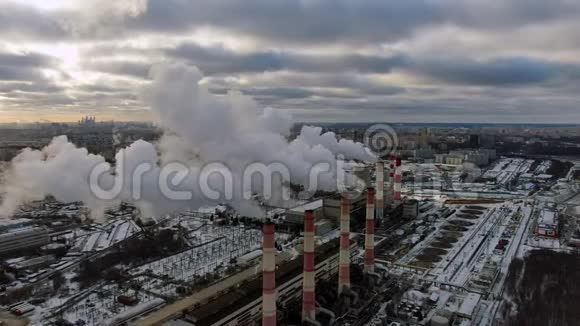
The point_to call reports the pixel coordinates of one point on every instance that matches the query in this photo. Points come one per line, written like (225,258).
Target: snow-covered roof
(544,176)
(309,206)
(548,217)
(468,305)
(13,221)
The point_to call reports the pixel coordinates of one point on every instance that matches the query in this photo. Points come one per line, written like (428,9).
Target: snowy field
(216,249)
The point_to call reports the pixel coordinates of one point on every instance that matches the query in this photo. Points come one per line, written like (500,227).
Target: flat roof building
(22,239)
(548,223)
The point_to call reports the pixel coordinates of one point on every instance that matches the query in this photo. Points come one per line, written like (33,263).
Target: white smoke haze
(59,169)
(202,132)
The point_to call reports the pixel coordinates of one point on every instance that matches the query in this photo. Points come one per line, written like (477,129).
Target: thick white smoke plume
(206,137)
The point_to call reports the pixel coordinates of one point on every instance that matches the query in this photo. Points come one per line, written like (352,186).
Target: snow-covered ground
(506,169)
(215,250)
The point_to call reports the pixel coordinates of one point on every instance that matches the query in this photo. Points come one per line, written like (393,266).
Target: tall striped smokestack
(344,257)
(268,277)
(308,294)
(398,178)
(390,193)
(380,172)
(369,257)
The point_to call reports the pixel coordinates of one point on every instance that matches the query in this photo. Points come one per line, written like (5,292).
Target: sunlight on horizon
(47,4)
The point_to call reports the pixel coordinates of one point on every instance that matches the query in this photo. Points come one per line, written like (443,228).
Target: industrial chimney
(380,179)
(369,257)
(308,294)
(268,277)
(398,178)
(391,184)
(344,257)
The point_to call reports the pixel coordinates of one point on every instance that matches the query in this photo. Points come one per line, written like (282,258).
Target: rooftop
(548,217)
(309,206)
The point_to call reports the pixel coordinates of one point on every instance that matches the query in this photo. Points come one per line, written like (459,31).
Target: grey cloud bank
(320,60)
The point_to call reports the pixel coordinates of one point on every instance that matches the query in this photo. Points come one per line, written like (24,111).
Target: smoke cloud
(206,137)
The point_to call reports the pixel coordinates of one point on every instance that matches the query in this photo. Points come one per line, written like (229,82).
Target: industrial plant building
(22,239)
(548,223)
(244,304)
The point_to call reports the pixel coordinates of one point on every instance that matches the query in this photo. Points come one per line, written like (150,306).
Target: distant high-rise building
(87,121)
(474,141)
(424,136)
(487,141)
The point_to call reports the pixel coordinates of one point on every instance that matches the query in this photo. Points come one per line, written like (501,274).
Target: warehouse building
(548,223)
(22,239)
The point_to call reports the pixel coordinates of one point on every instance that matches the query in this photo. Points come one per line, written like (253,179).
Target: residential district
(444,234)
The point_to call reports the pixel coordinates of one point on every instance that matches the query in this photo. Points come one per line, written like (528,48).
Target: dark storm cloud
(330,21)
(23,83)
(293,21)
(24,22)
(279,92)
(104,97)
(272,95)
(20,73)
(344,85)
(497,71)
(445,109)
(500,71)
(360,83)
(405,68)
(24,67)
(111,48)
(38,100)
(496,15)
(36,87)
(123,68)
(283,22)
(100,88)
(218,60)
(291,93)
(26,60)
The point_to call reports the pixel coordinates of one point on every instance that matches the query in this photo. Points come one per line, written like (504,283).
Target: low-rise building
(454,160)
(296,214)
(22,239)
(33,263)
(411,209)
(547,225)
(331,206)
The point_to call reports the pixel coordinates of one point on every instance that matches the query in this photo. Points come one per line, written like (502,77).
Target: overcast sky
(320,60)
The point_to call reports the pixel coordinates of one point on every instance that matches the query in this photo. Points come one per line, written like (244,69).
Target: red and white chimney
(391,184)
(344,256)
(369,256)
(308,286)
(380,179)
(398,179)
(268,276)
